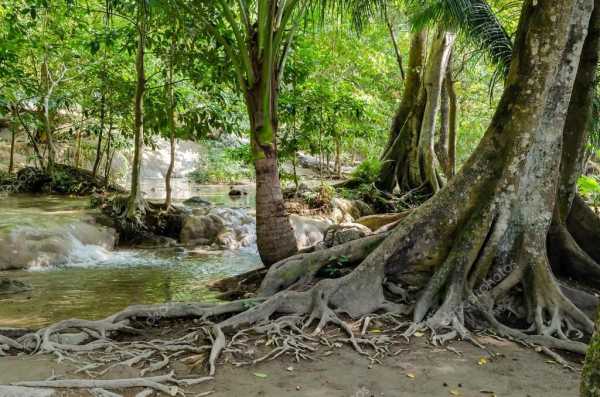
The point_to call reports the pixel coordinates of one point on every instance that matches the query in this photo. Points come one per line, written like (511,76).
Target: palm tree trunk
(274,233)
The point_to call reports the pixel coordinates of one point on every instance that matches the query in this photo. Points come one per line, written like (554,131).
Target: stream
(80,275)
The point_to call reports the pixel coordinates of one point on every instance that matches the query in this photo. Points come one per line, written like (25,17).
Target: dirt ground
(505,369)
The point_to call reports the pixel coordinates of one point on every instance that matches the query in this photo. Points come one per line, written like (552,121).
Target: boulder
(196,201)
(343,233)
(201,230)
(348,211)
(308,231)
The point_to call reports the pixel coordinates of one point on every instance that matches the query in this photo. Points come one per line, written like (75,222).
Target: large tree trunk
(274,234)
(395,145)
(410,160)
(573,237)
(481,239)
(590,377)
(483,236)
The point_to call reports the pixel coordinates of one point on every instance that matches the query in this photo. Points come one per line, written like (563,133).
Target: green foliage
(222,164)
(320,197)
(367,171)
(589,188)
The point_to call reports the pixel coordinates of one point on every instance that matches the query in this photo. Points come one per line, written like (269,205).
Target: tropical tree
(483,236)
(410,160)
(257,37)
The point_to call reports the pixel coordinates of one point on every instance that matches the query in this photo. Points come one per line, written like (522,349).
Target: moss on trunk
(590,378)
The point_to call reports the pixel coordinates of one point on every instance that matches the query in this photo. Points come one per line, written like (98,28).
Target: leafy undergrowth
(223,164)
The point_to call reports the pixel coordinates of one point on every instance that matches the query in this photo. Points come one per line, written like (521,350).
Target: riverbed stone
(196,201)
(308,230)
(8,286)
(197,230)
(343,233)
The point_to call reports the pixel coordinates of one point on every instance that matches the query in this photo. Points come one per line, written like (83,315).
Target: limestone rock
(200,229)
(342,233)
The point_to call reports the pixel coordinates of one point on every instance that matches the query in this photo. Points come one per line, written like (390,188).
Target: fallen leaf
(482,361)
(455,392)
(290,369)
(418,334)
(375,331)
(412,376)
(260,375)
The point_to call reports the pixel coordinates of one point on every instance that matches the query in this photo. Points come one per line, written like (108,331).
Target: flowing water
(89,280)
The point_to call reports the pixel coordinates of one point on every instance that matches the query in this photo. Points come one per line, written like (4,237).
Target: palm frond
(474,19)
(359,12)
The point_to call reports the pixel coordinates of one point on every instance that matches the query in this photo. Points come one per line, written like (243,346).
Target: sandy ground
(422,370)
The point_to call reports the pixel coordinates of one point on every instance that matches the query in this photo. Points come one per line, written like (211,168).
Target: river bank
(418,370)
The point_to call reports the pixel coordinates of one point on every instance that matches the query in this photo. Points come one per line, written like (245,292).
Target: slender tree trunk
(395,44)
(77,159)
(100,133)
(446,144)
(48,86)
(338,157)
(443,140)
(171,122)
(135,202)
(295,155)
(453,120)
(13,131)
(32,139)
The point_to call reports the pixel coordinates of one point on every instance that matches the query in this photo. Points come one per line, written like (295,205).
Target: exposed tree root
(141,220)
(299,270)
(158,383)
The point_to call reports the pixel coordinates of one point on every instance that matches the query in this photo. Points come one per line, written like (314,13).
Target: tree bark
(13,132)
(100,133)
(274,233)
(483,234)
(572,241)
(443,140)
(171,123)
(391,157)
(590,377)
(134,204)
(426,167)
(410,161)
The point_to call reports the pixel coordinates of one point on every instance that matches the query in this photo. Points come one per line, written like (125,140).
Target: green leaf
(260,375)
